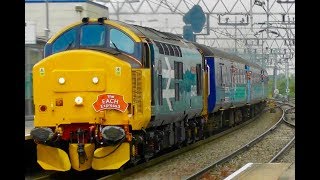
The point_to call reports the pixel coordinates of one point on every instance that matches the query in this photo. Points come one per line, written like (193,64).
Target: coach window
(199,79)
(92,35)
(228,79)
(244,76)
(65,41)
(239,76)
(119,40)
(253,78)
(178,70)
(176,92)
(236,76)
(221,75)
(160,95)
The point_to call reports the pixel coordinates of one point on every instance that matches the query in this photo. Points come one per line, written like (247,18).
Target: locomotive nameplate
(110,101)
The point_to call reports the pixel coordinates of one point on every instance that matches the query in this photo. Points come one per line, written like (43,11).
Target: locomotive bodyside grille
(137,90)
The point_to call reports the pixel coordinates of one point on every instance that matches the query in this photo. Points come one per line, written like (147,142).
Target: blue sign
(188,33)
(196,17)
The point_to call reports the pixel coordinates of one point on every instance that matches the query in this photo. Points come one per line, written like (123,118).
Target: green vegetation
(281,85)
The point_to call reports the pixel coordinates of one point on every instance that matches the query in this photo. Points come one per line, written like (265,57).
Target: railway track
(289,144)
(287,121)
(283,150)
(204,171)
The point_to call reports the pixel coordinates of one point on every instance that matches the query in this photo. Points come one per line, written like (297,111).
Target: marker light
(61,80)
(95,80)
(78,100)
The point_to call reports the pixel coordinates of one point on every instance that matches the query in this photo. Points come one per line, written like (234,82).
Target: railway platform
(266,171)
(28,125)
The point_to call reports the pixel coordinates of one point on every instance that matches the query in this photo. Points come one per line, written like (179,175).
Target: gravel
(289,156)
(262,152)
(188,163)
(290,116)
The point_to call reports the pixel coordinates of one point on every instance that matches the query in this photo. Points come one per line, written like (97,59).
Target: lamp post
(79,9)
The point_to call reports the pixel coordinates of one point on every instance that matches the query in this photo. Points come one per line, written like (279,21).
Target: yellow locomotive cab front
(80,94)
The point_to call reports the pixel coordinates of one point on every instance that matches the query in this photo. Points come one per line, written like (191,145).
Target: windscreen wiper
(115,47)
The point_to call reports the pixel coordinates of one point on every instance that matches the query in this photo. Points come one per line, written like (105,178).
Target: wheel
(231,119)
(238,116)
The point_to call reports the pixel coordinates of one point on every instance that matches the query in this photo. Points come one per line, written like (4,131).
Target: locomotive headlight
(78,100)
(61,80)
(95,80)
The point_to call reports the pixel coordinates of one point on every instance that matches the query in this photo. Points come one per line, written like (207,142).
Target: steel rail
(39,176)
(286,147)
(286,121)
(238,151)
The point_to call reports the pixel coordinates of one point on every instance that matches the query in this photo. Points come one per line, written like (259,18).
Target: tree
(281,85)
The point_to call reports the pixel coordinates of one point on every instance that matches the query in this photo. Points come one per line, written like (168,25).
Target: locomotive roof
(178,40)
(156,35)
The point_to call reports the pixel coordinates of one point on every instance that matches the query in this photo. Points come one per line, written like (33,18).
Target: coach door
(222,82)
(211,84)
